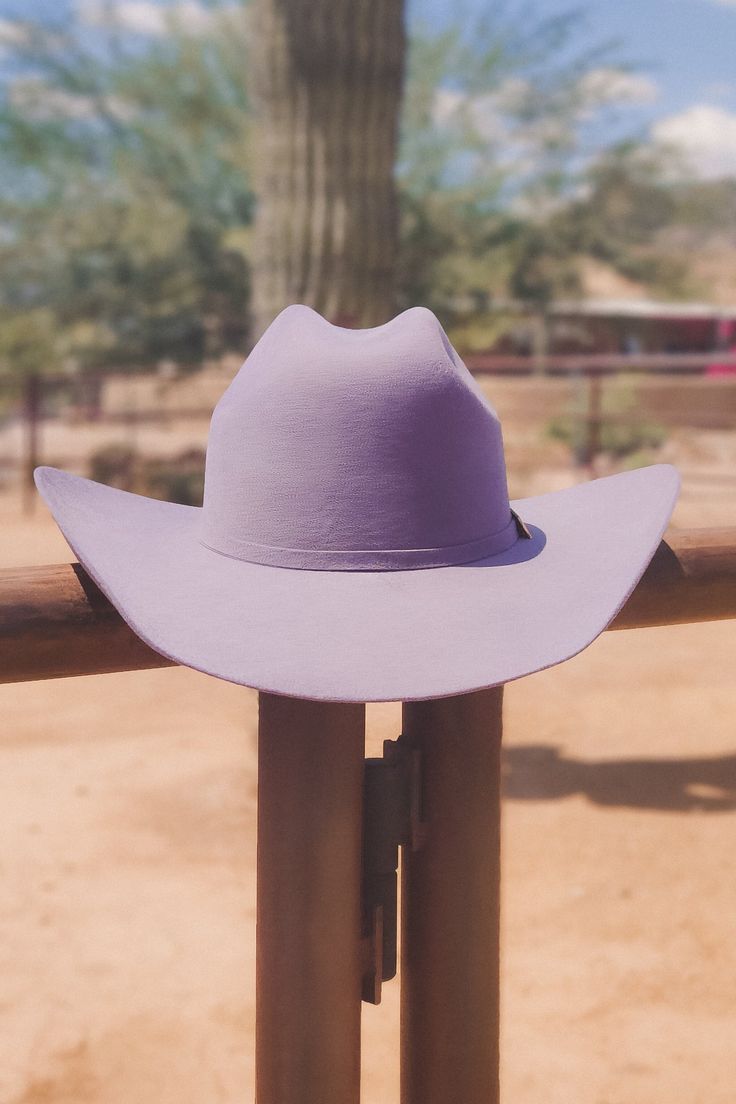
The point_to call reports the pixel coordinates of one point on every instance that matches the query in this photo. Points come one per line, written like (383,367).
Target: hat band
(393,559)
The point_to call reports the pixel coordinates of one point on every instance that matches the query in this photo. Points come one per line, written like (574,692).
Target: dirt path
(127,862)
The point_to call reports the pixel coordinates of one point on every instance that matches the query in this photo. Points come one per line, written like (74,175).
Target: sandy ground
(127,861)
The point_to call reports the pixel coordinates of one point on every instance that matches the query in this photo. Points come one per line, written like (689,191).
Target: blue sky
(686,50)
(683,50)
(688,47)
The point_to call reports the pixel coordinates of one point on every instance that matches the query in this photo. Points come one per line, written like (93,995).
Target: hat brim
(370,636)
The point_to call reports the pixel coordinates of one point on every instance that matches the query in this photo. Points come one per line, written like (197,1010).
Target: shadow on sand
(538,772)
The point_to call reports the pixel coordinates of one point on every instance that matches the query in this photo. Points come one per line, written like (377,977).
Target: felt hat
(356,541)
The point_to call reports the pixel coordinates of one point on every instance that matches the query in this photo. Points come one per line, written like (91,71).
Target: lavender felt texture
(356,541)
(355,449)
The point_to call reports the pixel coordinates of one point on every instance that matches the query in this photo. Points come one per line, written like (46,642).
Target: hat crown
(356,450)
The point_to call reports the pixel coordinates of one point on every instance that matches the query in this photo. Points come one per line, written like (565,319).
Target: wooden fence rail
(55,622)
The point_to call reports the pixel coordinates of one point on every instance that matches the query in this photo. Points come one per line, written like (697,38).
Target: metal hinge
(392,805)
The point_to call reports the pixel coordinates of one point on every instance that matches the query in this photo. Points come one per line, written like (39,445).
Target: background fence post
(308,936)
(450,905)
(593,421)
(31,419)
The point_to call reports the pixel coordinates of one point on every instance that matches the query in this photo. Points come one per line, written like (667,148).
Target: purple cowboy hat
(356,541)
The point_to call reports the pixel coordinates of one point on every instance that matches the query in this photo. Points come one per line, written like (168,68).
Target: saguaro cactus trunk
(326,81)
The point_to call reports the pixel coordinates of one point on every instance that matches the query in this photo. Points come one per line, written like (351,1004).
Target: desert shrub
(116,465)
(617,441)
(623,433)
(180,479)
(176,479)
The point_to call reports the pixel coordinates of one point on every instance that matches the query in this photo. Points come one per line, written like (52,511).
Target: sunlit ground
(128,846)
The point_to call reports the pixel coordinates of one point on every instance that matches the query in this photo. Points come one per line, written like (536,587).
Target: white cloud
(11,32)
(483,112)
(513,94)
(608,86)
(446,103)
(705,136)
(596,89)
(145,16)
(37,101)
(487,112)
(138,16)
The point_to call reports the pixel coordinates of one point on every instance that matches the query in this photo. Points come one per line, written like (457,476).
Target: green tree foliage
(621,217)
(126,202)
(125,194)
(507,181)
(29,342)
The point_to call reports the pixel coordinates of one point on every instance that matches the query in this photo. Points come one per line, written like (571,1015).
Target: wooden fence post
(308,928)
(450,905)
(593,421)
(32,394)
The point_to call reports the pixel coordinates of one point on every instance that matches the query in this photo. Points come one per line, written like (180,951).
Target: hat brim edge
(86,511)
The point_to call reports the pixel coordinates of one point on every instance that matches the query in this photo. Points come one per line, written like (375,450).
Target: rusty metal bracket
(392,818)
